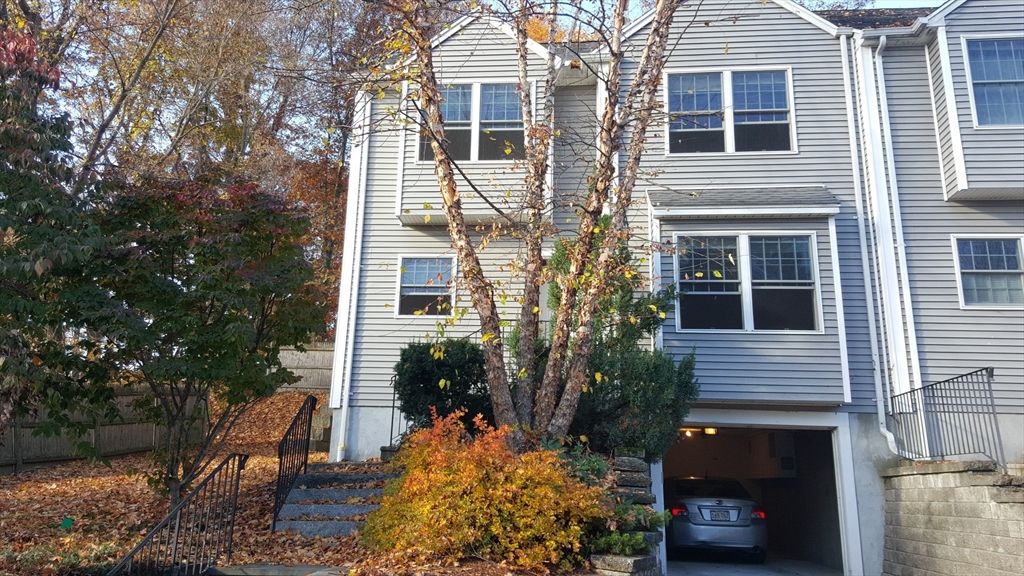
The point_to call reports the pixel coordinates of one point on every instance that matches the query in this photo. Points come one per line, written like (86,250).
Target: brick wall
(953,518)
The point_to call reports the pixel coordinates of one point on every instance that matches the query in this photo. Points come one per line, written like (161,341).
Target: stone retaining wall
(953,518)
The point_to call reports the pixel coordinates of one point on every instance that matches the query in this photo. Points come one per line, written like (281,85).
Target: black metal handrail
(293,454)
(954,417)
(196,533)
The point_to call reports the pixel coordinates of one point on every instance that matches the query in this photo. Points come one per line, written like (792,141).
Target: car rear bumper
(753,537)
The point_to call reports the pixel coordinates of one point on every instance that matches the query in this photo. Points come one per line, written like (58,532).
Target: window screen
(991,271)
(426,286)
(709,283)
(695,113)
(456,111)
(782,283)
(997,76)
(761,111)
(501,122)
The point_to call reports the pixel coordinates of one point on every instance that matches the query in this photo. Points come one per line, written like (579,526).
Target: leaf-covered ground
(110,510)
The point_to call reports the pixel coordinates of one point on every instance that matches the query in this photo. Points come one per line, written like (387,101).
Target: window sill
(727,154)
(471,162)
(750,332)
(1015,128)
(991,307)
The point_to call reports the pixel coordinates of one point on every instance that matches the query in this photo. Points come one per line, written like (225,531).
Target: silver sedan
(715,514)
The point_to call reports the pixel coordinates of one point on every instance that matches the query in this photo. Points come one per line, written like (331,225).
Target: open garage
(790,477)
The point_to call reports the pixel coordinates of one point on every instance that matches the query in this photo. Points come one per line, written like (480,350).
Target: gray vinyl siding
(994,157)
(777,367)
(942,122)
(478,53)
(766,36)
(951,341)
(576,133)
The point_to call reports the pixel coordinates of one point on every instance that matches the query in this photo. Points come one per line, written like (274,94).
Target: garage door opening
(789,475)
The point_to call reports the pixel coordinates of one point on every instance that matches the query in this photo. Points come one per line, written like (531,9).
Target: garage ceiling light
(710,431)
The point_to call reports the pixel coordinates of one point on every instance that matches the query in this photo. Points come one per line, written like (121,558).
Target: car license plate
(720,515)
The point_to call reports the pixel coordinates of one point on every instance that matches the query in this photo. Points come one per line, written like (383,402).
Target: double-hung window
(730,111)
(481,122)
(425,286)
(997,80)
(747,282)
(991,271)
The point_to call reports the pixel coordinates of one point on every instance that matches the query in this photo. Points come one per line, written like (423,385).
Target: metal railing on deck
(955,417)
(198,531)
(293,454)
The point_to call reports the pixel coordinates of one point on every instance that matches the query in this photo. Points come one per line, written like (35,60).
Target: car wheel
(759,557)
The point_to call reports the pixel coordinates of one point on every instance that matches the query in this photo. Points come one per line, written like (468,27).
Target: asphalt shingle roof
(875,18)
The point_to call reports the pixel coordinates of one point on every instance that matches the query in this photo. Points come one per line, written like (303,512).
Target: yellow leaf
(716,273)
(536,309)
(662,314)
(387,305)
(598,376)
(487,337)
(698,275)
(726,47)
(426,218)
(652,307)
(427,206)
(584,438)
(444,383)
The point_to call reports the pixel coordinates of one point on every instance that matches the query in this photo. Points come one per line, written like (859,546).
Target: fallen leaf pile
(79,518)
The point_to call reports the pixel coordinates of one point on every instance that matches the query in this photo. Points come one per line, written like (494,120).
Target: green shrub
(620,544)
(461,496)
(446,375)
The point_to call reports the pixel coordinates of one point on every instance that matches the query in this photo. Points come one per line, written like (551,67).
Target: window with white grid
(991,271)
(501,122)
(425,286)
(997,80)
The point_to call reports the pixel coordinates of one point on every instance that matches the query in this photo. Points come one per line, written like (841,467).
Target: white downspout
(865,264)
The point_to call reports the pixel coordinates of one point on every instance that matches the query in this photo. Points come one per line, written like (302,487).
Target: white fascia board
(938,17)
(807,211)
(837,287)
(809,16)
(531,45)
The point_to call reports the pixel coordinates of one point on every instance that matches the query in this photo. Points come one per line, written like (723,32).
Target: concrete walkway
(721,566)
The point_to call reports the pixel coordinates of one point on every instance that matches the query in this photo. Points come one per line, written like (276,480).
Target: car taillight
(757,513)
(680,510)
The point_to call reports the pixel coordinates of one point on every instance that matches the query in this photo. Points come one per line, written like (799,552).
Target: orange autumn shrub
(461,496)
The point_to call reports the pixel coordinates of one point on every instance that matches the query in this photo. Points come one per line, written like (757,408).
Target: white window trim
(727,109)
(743,257)
(398,286)
(474,116)
(970,81)
(959,277)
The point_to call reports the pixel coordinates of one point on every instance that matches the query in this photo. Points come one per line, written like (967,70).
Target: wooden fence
(22,448)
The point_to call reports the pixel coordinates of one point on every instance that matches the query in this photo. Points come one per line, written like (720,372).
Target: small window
(501,122)
(997,80)
(991,272)
(426,286)
(782,283)
(747,282)
(456,111)
(696,116)
(761,111)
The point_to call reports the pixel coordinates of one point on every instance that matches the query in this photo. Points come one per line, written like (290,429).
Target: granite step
(331,494)
(298,511)
(322,528)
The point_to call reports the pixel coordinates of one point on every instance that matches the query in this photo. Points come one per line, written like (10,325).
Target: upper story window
(425,285)
(991,271)
(481,122)
(731,111)
(997,80)
(747,282)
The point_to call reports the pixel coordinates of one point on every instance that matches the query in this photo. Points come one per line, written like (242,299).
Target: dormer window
(997,80)
(730,111)
(481,122)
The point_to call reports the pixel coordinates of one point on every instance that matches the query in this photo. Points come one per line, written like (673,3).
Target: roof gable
(937,17)
(499,26)
(787,5)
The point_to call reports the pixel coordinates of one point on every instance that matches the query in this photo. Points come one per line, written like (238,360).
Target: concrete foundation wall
(953,518)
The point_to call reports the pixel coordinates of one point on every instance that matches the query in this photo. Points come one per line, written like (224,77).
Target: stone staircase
(333,499)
